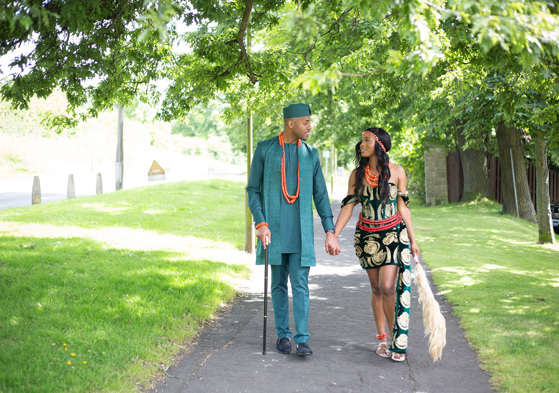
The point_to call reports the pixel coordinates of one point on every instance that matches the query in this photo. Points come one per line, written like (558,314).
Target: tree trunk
(515,193)
(249,227)
(119,167)
(475,168)
(545,224)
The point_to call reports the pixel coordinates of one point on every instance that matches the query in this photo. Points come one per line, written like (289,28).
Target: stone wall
(436,188)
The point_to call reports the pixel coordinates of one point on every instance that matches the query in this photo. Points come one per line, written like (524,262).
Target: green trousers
(299,277)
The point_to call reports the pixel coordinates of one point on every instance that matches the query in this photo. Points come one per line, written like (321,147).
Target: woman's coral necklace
(289,198)
(372,180)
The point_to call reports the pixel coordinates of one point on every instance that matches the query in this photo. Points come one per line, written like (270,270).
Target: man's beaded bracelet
(261,225)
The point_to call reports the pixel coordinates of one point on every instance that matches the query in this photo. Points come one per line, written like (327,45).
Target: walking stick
(265,301)
(433,320)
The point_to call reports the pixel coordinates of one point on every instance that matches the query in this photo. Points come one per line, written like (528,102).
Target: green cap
(296,110)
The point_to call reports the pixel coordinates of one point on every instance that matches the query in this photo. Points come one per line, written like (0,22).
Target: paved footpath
(228,355)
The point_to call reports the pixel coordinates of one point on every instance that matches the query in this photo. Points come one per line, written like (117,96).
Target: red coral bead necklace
(289,198)
(371,179)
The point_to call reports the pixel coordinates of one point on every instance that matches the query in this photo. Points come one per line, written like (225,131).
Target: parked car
(555,216)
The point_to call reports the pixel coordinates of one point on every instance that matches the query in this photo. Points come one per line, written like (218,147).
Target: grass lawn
(206,210)
(96,293)
(85,307)
(503,286)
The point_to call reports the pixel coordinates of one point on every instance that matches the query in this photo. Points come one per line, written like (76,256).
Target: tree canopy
(413,66)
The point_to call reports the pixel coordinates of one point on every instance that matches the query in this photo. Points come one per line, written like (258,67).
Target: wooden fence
(495,178)
(456,180)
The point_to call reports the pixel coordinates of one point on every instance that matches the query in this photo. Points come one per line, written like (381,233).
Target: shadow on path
(228,355)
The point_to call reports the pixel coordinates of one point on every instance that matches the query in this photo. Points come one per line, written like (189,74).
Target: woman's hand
(414,249)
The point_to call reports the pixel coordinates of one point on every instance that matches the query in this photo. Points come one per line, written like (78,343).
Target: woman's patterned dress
(381,238)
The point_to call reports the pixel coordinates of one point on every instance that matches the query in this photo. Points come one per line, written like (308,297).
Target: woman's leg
(378,312)
(387,280)
(376,300)
(387,284)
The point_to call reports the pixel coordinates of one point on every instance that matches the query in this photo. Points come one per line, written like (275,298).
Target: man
(285,177)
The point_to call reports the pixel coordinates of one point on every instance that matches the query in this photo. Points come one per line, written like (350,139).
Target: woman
(383,237)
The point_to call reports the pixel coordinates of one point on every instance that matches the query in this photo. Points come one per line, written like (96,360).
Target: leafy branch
(240,40)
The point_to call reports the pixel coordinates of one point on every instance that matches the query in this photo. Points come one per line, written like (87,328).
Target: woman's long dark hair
(382,164)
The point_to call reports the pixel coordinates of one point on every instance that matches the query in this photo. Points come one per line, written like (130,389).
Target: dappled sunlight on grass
(111,305)
(502,285)
(99,207)
(553,282)
(135,239)
(116,282)
(173,208)
(554,247)
(153,211)
(487,267)
(521,310)
(466,281)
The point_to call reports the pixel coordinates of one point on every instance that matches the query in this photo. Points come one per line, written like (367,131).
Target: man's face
(302,127)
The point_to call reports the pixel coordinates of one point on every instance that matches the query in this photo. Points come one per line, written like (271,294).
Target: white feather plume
(433,320)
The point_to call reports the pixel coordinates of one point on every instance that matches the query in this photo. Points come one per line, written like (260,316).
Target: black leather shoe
(303,349)
(284,345)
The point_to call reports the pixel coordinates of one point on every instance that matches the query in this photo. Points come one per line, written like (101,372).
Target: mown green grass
(76,315)
(124,311)
(503,286)
(208,209)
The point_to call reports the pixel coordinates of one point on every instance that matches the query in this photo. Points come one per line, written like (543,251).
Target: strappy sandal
(382,349)
(398,357)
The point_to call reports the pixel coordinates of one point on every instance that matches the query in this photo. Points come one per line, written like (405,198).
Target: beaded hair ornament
(375,138)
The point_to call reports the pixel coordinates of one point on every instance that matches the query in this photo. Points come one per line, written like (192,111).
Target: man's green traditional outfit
(291,251)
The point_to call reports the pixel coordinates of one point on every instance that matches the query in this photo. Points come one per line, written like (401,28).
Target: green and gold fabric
(389,246)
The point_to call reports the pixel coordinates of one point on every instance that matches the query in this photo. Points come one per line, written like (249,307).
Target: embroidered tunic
(266,199)
(381,238)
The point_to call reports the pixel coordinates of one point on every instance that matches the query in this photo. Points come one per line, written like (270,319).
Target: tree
(543,203)
(91,50)
(475,167)
(516,194)
(96,52)
(119,164)
(75,42)
(361,60)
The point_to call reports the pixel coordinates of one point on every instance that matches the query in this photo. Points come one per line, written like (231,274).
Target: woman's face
(367,146)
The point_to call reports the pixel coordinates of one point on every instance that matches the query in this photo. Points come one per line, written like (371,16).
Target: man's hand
(264,235)
(331,244)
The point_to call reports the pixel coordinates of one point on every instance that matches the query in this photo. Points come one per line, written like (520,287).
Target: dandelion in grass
(84,362)
(73,354)
(68,362)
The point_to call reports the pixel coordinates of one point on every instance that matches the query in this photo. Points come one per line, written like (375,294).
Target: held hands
(331,244)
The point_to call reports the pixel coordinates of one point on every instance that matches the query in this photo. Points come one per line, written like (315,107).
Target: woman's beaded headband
(375,138)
